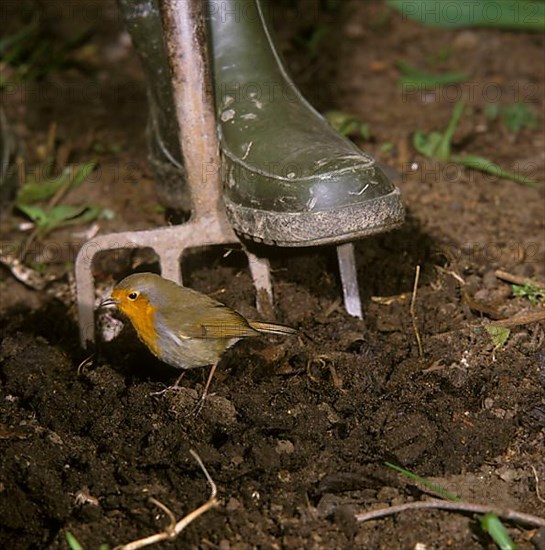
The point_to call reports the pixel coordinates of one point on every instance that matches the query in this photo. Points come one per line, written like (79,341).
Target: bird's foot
(175,387)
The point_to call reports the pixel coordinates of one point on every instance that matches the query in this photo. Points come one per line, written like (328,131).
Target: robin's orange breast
(142,315)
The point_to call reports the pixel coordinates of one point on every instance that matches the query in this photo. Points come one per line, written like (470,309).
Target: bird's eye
(133,295)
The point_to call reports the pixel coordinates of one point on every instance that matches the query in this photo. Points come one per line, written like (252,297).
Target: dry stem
(413,312)
(504,513)
(175,528)
(536,477)
(516,279)
(521,319)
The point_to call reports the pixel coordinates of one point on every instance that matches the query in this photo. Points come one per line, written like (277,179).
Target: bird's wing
(214,321)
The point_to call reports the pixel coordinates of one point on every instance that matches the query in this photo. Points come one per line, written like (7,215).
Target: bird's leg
(200,402)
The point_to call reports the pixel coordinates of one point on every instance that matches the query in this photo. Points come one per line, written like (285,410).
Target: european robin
(182,327)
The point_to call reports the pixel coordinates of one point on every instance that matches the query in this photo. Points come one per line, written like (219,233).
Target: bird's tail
(272,328)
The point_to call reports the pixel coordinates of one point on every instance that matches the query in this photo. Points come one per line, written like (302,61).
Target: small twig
(175,528)
(521,319)
(413,312)
(451,273)
(29,240)
(388,300)
(536,477)
(504,513)
(61,192)
(172,525)
(516,279)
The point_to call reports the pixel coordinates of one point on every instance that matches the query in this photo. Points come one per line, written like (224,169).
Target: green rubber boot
(289,178)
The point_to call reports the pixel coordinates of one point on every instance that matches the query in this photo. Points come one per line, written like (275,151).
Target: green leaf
(527,15)
(533,293)
(35,191)
(64,212)
(386,147)
(82,172)
(518,116)
(72,541)
(63,215)
(39,190)
(37,214)
(89,214)
(499,335)
(436,144)
(443,150)
(413,77)
(423,481)
(494,527)
(60,215)
(484,165)
(515,117)
(427,144)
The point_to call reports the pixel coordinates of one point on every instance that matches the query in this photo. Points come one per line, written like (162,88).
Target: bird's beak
(109,302)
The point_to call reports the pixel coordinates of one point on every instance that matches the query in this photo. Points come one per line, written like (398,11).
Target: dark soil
(298,429)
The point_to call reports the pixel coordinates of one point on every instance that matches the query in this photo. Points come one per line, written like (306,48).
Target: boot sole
(299,229)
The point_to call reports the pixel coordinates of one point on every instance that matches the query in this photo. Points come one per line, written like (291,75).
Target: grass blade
(484,165)
(494,527)
(72,541)
(423,481)
(443,150)
(413,77)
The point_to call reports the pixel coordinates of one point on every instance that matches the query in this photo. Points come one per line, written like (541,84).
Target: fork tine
(349,279)
(261,276)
